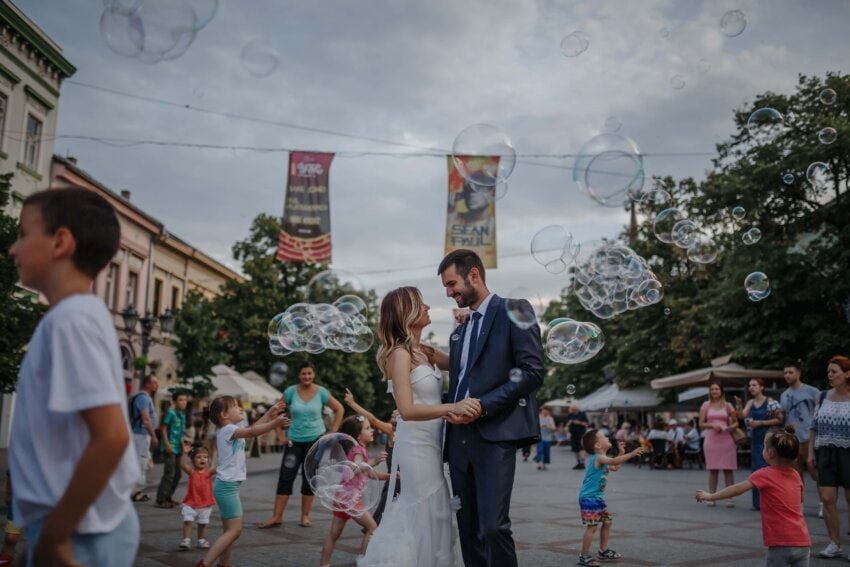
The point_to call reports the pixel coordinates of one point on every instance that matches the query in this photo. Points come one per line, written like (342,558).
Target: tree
(21,310)
(804,250)
(198,348)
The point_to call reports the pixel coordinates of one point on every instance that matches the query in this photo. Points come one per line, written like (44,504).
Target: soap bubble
(501,189)
(757,286)
(788,178)
(328,285)
(667,311)
(515,375)
(574,44)
(122,32)
(519,309)
(664,32)
(646,369)
(278,374)
(259,58)
(684,233)
(613,124)
(818,174)
(751,236)
(472,150)
(765,125)
(657,198)
(664,223)
(828,96)
(338,483)
(704,250)
(827,135)
(677,82)
(739,212)
(703,66)
(733,23)
(571,389)
(553,247)
(608,168)
(522,402)
(573,342)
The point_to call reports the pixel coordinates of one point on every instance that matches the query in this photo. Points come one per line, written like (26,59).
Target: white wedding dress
(417,528)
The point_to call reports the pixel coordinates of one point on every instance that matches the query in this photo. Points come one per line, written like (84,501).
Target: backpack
(135,416)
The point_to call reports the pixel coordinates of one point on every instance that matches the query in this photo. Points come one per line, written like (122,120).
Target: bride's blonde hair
(400,309)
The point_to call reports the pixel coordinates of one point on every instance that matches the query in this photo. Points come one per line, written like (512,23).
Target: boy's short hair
(89,218)
(177,394)
(588,440)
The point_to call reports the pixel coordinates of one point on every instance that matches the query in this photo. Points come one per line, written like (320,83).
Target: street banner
(306,232)
(471,218)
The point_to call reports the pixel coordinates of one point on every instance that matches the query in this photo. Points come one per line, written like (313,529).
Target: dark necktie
(473,341)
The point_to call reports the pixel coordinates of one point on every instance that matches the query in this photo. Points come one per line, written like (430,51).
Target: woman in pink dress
(718,418)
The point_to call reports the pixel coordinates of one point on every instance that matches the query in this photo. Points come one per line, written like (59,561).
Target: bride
(416,529)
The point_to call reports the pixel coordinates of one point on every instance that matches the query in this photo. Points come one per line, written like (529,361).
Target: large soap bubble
(733,23)
(609,168)
(554,248)
(340,484)
(704,250)
(818,175)
(765,125)
(521,309)
(472,150)
(757,285)
(573,342)
(664,223)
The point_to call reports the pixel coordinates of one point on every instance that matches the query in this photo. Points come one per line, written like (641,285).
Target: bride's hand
(456,419)
(469,407)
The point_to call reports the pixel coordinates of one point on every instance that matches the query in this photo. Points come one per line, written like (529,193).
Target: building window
(175,298)
(132,286)
(111,286)
(32,144)
(4,103)
(157,294)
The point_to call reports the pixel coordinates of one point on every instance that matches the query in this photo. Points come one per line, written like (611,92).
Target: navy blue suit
(482,454)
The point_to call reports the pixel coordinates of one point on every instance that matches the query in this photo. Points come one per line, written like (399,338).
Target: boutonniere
(455,337)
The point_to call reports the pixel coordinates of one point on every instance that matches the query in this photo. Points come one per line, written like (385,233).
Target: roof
(229,382)
(729,372)
(612,397)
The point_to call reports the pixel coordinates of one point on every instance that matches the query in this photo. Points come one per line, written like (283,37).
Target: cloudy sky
(417,73)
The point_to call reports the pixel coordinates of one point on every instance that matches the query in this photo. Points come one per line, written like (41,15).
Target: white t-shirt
(231,454)
(72,364)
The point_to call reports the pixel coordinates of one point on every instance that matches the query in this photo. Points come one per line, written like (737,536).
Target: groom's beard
(468,296)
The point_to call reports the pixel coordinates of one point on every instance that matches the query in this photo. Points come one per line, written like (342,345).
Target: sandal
(306,523)
(267,525)
(140,497)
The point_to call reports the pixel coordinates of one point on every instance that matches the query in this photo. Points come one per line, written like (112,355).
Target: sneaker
(185,543)
(579,467)
(203,544)
(588,561)
(607,555)
(831,550)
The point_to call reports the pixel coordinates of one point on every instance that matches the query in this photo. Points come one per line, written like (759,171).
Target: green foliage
(198,349)
(804,250)
(21,310)
(140,363)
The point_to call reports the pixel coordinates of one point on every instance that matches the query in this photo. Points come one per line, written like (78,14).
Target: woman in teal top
(305,403)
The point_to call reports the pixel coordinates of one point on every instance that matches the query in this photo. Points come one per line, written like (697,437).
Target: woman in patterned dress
(762,413)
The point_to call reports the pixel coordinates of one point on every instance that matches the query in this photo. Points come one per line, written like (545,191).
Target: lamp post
(131,317)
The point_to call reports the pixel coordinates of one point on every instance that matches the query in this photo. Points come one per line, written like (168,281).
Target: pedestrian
(70,454)
(173,426)
(798,403)
(547,434)
(717,418)
(780,486)
(761,413)
(199,500)
(306,402)
(225,412)
(577,426)
(351,494)
(829,449)
(142,419)
(591,500)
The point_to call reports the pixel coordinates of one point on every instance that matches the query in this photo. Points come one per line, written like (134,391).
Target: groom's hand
(456,419)
(467,407)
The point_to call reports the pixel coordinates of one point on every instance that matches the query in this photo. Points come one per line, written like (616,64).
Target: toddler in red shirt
(199,500)
(783,528)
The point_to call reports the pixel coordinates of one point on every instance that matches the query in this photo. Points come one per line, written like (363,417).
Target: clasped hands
(465,411)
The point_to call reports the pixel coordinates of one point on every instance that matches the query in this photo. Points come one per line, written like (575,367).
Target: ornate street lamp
(131,317)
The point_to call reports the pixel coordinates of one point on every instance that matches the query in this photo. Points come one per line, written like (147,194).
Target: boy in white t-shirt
(70,454)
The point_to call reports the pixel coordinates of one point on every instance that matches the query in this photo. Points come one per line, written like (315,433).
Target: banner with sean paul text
(306,230)
(471,217)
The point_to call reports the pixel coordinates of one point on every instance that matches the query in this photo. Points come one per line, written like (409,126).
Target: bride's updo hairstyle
(400,310)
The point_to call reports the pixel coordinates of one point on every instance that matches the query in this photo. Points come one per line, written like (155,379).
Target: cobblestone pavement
(656,522)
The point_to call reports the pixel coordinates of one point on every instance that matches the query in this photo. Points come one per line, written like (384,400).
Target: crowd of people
(80,450)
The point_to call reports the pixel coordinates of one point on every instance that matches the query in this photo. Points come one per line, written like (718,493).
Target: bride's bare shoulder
(398,359)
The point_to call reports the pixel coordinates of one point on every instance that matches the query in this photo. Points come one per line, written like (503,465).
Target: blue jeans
(543,452)
(109,549)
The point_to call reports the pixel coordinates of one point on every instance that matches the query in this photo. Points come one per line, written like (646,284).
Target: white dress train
(418,527)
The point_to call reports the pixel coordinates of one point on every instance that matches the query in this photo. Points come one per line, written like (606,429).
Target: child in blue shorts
(225,413)
(594,511)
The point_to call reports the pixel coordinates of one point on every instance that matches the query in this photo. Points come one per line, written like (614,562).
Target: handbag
(739,436)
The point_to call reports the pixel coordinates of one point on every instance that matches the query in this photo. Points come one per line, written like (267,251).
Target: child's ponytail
(784,442)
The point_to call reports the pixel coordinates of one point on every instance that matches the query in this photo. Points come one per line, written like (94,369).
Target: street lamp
(131,317)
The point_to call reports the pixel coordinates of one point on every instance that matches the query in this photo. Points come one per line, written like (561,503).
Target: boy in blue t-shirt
(590,498)
(70,456)
(173,425)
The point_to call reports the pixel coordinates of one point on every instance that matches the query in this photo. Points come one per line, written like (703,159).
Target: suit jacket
(501,346)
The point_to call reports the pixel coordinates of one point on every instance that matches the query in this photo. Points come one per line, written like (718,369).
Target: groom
(481,451)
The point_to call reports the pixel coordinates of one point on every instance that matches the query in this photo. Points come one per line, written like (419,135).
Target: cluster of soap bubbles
(554,248)
(472,153)
(757,285)
(752,236)
(672,226)
(332,318)
(574,44)
(610,279)
(154,30)
(572,342)
(609,169)
(339,484)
